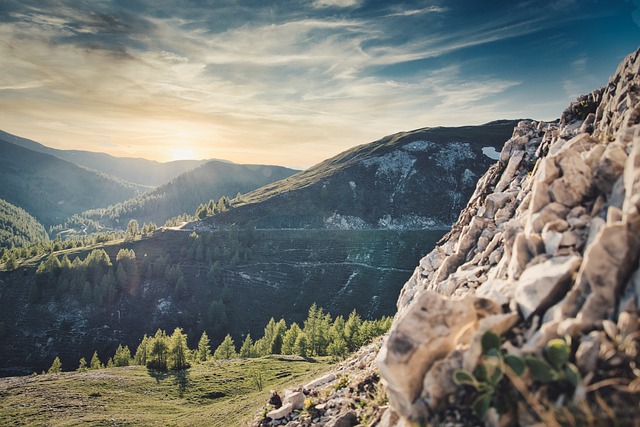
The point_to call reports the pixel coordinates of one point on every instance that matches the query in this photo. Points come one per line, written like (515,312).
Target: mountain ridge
(52,189)
(139,171)
(370,185)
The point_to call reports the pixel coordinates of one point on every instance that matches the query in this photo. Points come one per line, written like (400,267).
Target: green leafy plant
(555,367)
(488,378)
(498,375)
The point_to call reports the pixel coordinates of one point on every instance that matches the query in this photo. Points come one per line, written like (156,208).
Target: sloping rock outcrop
(528,313)
(547,249)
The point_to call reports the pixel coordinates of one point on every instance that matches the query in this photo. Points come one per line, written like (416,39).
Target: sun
(182,153)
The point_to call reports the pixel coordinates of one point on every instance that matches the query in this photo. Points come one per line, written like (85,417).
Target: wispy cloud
(236,81)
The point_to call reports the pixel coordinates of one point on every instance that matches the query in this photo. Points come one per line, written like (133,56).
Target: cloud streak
(283,83)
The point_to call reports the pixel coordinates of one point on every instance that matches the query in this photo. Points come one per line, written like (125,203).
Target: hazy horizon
(292,83)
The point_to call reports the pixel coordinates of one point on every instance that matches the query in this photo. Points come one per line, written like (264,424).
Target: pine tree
(246,350)
(122,356)
(82,365)
(290,337)
(158,351)
(132,229)
(56,366)
(301,345)
(316,328)
(352,331)
(95,362)
(337,343)
(140,357)
(204,349)
(178,351)
(226,350)
(278,337)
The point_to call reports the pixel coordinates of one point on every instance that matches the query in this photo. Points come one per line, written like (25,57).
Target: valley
(234,281)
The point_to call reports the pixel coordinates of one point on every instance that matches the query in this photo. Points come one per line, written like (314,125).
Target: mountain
(52,189)
(142,172)
(185,193)
(377,185)
(527,313)
(18,228)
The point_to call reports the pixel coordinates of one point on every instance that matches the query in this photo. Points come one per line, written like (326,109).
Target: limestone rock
(541,285)
(296,399)
(425,332)
(281,412)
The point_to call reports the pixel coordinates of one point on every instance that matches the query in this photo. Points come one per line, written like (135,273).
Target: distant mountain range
(209,181)
(409,180)
(52,189)
(142,172)
(55,185)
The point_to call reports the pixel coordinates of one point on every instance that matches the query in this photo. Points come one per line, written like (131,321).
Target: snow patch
(345,222)
(491,153)
(469,178)
(352,185)
(453,153)
(396,163)
(418,146)
(164,306)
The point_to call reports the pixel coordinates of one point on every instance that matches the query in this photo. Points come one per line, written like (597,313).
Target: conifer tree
(301,345)
(82,365)
(226,350)
(95,362)
(352,331)
(56,366)
(158,351)
(122,356)
(179,352)
(289,340)
(246,350)
(204,350)
(140,357)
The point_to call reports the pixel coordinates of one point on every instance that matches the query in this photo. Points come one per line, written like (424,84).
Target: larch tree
(226,350)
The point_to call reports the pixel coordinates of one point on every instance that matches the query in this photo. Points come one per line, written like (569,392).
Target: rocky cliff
(528,312)
(547,248)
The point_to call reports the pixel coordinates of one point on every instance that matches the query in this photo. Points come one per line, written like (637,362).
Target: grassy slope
(132,396)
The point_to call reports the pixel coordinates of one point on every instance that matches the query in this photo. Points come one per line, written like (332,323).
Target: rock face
(547,247)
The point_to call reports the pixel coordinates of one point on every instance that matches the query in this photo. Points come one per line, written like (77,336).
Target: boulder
(541,285)
(425,332)
(281,412)
(296,399)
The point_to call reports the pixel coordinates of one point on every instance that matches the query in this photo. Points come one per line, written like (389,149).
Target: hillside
(52,189)
(18,228)
(220,282)
(375,185)
(142,172)
(528,313)
(185,193)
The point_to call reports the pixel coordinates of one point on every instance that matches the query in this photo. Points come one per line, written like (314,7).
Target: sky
(293,82)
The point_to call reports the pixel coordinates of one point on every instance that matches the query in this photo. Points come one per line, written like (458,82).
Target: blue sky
(293,82)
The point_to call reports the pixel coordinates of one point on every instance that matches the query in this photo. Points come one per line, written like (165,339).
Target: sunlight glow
(182,153)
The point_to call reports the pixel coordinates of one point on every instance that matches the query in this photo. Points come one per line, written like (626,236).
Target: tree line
(319,335)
